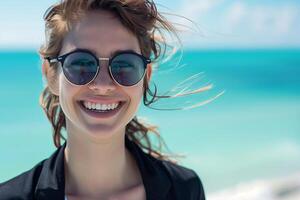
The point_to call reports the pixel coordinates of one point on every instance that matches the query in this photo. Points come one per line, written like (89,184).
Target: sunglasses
(81,66)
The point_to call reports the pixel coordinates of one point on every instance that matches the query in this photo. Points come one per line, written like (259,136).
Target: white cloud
(240,24)
(222,23)
(261,20)
(234,17)
(21,35)
(287,19)
(196,9)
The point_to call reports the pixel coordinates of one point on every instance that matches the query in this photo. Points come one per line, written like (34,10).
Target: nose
(103,82)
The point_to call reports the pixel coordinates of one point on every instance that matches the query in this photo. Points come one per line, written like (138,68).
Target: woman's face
(102,33)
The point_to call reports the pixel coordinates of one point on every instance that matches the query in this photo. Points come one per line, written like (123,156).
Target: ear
(149,72)
(52,75)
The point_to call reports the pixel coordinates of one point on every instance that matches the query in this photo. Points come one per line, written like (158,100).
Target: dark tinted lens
(80,68)
(127,69)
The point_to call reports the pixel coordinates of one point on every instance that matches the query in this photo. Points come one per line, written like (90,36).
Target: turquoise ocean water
(250,132)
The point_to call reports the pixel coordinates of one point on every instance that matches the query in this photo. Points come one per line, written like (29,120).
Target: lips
(94,113)
(102,101)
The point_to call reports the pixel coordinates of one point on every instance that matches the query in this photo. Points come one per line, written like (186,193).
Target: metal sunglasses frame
(62,58)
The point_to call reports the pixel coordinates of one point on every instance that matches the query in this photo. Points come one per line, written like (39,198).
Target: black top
(162,180)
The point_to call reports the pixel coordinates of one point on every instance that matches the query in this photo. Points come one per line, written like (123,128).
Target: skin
(102,168)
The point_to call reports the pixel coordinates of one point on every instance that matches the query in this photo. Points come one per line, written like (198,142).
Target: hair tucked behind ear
(141,18)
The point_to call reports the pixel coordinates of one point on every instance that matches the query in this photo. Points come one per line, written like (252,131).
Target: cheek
(64,88)
(137,91)
(66,94)
(136,95)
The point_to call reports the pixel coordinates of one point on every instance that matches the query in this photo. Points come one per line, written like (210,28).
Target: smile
(100,110)
(100,107)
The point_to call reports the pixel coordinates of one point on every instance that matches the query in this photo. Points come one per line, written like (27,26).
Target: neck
(98,169)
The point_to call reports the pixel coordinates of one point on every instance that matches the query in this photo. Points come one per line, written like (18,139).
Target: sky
(211,24)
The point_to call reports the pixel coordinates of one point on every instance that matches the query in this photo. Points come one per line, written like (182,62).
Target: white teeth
(97,106)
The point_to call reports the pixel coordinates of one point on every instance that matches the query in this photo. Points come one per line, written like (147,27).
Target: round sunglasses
(81,66)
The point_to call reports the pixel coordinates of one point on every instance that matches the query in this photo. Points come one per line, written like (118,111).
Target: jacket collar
(51,183)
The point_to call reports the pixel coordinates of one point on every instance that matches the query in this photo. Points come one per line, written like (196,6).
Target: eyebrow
(112,54)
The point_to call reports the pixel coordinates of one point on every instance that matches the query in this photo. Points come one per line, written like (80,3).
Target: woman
(97,65)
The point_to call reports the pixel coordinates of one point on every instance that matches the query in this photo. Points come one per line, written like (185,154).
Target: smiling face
(103,34)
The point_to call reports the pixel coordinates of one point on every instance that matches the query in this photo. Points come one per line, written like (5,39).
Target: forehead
(101,32)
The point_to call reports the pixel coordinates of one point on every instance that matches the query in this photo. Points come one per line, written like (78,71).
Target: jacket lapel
(155,179)
(51,183)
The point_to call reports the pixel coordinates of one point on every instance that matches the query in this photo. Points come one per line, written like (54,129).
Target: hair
(141,18)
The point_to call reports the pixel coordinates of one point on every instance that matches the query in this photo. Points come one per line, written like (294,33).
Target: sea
(244,127)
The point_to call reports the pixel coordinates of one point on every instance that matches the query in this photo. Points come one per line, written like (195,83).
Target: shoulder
(22,186)
(185,182)
(184,179)
(179,173)
(165,178)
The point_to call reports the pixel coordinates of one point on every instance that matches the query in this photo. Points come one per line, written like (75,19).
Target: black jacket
(162,180)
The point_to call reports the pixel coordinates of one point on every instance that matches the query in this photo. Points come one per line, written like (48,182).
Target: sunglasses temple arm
(51,60)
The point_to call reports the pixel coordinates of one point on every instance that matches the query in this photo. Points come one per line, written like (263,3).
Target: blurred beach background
(244,145)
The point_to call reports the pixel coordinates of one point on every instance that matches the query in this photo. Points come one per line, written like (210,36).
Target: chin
(102,132)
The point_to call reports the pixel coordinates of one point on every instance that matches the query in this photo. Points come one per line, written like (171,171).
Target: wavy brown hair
(138,16)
